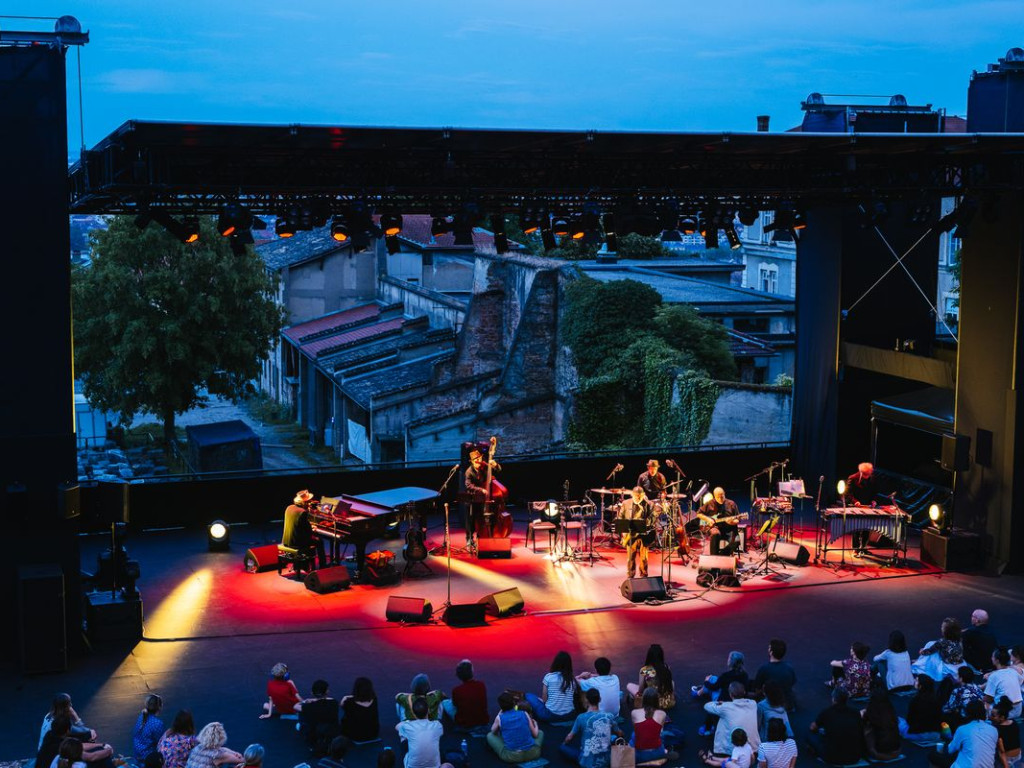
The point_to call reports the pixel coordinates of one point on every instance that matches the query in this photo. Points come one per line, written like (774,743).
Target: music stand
(764,567)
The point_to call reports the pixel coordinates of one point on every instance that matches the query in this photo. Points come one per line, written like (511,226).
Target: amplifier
(493,549)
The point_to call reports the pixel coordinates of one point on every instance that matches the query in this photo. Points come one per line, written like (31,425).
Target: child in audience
(742,753)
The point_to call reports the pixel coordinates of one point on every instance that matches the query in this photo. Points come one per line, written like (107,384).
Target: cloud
(148,81)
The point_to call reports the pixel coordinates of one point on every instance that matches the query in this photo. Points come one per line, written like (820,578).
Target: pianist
(298,525)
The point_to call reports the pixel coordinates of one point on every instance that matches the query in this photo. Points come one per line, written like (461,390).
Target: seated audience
(893,664)
(853,673)
(778,670)
(965,690)
(595,729)
(737,712)
(607,683)
(650,739)
(420,690)
(974,743)
(837,733)
(468,705)
(148,729)
(361,720)
(62,706)
(742,754)
(282,695)
(881,727)
(69,755)
(557,691)
(979,641)
(1008,747)
(715,685)
(514,735)
(336,752)
(178,740)
(318,719)
(655,673)
(422,735)
(924,714)
(941,658)
(253,756)
(1003,681)
(96,755)
(778,749)
(773,705)
(210,751)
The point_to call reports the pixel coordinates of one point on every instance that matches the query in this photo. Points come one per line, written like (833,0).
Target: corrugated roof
(333,320)
(281,252)
(389,380)
(335,341)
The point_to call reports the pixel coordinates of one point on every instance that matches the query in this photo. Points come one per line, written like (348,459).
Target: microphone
(455,467)
(619,467)
(821,479)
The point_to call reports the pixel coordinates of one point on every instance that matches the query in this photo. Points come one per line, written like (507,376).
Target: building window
(768,278)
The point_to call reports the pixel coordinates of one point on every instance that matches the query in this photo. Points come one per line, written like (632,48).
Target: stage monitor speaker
(644,588)
(113,617)
(260,559)
(328,580)
(953,552)
(717,569)
(503,603)
(956,453)
(493,549)
(791,552)
(411,609)
(41,627)
(466,615)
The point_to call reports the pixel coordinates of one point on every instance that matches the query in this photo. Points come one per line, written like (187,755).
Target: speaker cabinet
(956,453)
(504,603)
(112,617)
(717,570)
(493,549)
(409,609)
(42,635)
(953,552)
(328,580)
(648,587)
(466,615)
(260,559)
(791,552)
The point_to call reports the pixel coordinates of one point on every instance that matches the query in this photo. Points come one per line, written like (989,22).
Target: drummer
(652,481)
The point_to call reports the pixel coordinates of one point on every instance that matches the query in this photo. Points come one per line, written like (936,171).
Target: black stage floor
(212,633)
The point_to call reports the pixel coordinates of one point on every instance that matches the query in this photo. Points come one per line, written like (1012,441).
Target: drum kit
(665,512)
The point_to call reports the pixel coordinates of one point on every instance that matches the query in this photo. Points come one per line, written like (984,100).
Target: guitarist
(723,516)
(485,490)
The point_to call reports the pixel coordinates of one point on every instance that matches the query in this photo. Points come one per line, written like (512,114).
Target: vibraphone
(889,521)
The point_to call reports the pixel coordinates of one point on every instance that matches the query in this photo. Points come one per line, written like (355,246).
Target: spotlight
(841,487)
(688,225)
(190,230)
(218,536)
(732,237)
(552,512)
(391,223)
(547,238)
(339,229)
(283,227)
(233,218)
(799,221)
(498,228)
(710,236)
(463,231)
(560,226)
(748,215)
(439,225)
(591,222)
(671,236)
(935,514)
(531,216)
(668,223)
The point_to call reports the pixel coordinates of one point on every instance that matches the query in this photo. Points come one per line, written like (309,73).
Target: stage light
(560,226)
(799,221)
(688,225)
(671,236)
(339,229)
(732,237)
(218,536)
(498,228)
(552,512)
(463,231)
(748,215)
(391,224)
(191,230)
(935,514)
(283,227)
(547,238)
(439,225)
(841,487)
(233,219)
(532,214)
(710,237)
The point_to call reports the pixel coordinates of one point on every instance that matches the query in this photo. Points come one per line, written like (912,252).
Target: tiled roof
(281,252)
(389,380)
(387,345)
(334,341)
(334,320)
(745,345)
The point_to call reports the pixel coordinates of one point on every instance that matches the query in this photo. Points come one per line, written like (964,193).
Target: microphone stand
(446,544)
(819,537)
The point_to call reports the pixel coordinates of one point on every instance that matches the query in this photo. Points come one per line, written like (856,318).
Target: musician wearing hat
(480,466)
(298,526)
(652,481)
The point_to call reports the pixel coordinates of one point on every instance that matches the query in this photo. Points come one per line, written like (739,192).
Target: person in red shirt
(468,705)
(282,695)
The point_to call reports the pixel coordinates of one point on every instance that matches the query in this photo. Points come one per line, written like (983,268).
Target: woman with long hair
(651,737)
(210,751)
(557,700)
(360,720)
(893,664)
(924,714)
(61,705)
(655,673)
(70,755)
(148,729)
(881,726)
(178,740)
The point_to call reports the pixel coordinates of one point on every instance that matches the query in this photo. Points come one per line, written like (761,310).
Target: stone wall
(748,413)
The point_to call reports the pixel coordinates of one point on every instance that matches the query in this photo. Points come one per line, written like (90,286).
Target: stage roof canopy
(194,168)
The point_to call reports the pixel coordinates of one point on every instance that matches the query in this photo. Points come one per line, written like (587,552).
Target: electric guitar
(734,520)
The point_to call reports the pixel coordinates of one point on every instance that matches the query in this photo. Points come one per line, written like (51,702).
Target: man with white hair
(860,491)
(979,641)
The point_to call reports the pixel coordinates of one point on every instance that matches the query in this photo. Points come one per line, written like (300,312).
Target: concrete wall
(337,280)
(747,413)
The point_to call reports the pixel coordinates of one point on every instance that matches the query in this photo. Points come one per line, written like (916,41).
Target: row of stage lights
(355,224)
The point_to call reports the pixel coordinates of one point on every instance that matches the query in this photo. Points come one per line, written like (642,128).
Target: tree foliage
(156,321)
(634,246)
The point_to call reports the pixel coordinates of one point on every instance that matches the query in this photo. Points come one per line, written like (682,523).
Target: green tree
(634,246)
(705,340)
(157,321)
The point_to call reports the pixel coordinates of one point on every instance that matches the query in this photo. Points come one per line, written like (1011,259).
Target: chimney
(762,123)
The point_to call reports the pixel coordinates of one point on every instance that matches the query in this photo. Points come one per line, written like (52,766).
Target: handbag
(622,755)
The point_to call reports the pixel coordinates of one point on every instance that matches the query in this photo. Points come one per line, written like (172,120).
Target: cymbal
(610,491)
(675,495)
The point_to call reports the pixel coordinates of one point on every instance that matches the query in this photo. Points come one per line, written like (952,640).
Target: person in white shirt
(973,745)
(896,659)
(1003,681)
(606,683)
(741,712)
(742,755)
(423,737)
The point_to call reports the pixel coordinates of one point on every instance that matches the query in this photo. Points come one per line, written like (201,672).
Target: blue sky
(673,65)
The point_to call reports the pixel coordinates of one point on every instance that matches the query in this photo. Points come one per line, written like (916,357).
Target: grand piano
(358,520)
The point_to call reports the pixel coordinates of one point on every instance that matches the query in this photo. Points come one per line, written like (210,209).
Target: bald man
(979,641)
(723,515)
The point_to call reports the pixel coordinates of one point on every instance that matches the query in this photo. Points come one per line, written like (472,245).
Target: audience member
(210,751)
(361,720)
(837,733)
(979,641)
(772,706)
(422,735)
(557,691)
(318,719)
(178,740)
(468,705)
(253,756)
(973,744)
(282,695)
(69,755)
(737,712)
(148,729)
(941,658)
(893,664)
(742,754)
(649,730)
(1003,681)
(420,689)
(607,683)
(514,735)
(153,760)
(964,691)
(1017,662)
(1008,747)
(62,706)
(778,670)
(715,685)
(881,726)
(336,752)
(97,755)
(595,729)
(778,750)
(924,714)
(853,673)
(655,673)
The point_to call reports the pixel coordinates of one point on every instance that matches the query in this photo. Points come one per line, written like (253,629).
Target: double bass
(494,520)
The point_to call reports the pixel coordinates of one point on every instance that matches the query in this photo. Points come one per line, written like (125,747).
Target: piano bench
(538,525)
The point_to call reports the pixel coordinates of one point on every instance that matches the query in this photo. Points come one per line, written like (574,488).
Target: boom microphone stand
(446,544)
